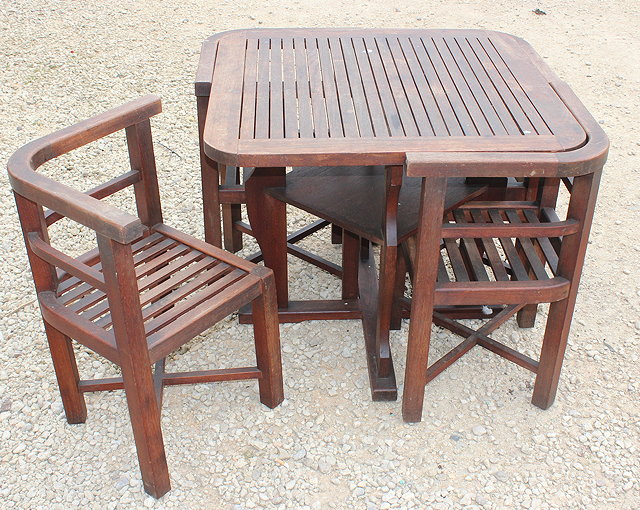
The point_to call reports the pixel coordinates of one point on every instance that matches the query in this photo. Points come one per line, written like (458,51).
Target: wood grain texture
(388,89)
(145,291)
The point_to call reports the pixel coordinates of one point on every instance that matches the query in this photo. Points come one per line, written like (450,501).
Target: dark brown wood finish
(145,291)
(472,103)
(545,266)
(488,96)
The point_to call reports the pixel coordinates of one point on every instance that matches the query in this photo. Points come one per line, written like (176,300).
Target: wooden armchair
(512,254)
(146,290)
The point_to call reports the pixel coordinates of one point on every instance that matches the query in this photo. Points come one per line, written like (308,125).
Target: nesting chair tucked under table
(145,291)
(508,253)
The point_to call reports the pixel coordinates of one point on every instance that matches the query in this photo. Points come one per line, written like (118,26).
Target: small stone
(479,430)
(5,405)
(123,481)
(326,463)
(455,437)
(300,454)
(481,500)
(501,475)
(638,325)
(358,492)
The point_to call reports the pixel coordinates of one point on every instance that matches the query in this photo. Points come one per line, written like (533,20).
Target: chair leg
(210,184)
(554,345)
(526,317)
(231,213)
(147,432)
(350,264)
(64,363)
(266,333)
(336,234)
(398,292)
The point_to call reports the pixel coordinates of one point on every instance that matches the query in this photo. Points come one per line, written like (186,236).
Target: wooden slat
(528,249)
(511,292)
(453,127)
(518,270)
(488,86)
(343,89)
(321,127)
(470,252)
(150,265)
(502,204)
(458,230)
(263,99)
(304,91)
(207,312)
(70,290)
(389,108)
(461,84)
(541,94)
(276,114)
(159,321)
(495,262)
(153,251)
(443,275)
(177,264)
(547,248)
(455,258)
(365,73)
(89,300)
(289,85)
(480,95)
(514,87)
(451,92)
(365,125)
(206,248)
(329,88)
(502,87)
(249,86)
(395,84)
(408,85)
(204,270)
(158,291)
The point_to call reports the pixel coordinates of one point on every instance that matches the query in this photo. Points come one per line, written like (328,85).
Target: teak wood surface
(472,103)
(145,291)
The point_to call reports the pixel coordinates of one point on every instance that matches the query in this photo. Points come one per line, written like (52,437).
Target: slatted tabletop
(327,96)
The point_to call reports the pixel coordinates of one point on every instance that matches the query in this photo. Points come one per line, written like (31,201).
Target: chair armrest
(80,207)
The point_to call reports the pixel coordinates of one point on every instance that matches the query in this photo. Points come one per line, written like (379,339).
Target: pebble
(479,430)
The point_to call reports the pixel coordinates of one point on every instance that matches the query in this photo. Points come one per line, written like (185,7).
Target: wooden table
(312,97)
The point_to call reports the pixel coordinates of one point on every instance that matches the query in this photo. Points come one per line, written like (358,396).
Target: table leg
(269,224)
(388,262)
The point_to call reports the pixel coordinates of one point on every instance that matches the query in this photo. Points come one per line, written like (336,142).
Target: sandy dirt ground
(481,443)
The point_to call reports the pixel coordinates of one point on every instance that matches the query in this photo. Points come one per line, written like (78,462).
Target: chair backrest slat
(102,191)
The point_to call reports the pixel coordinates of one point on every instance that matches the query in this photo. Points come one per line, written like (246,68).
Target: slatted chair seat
(144,292)
(509,269)
(177,277)
(503,254)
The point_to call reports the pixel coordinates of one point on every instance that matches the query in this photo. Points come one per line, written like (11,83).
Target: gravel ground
(481,444)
